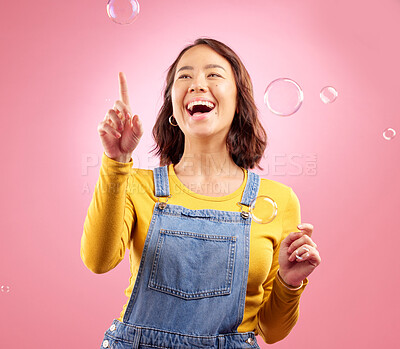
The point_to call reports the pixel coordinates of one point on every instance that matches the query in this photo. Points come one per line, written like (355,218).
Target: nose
(198,84)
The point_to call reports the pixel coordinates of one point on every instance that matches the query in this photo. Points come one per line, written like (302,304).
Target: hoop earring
(170,121)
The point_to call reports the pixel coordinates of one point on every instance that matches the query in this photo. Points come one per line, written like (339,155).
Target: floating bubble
(389,134)
(328,94)
(283,97)
(263,209)
(5,289)
(123,11)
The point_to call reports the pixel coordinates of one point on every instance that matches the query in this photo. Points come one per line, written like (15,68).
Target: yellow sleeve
(280,307)
(109,219)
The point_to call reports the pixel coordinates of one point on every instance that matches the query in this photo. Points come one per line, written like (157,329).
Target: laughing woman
(202,274)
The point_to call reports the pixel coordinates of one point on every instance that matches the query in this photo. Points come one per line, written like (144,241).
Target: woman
(203,275)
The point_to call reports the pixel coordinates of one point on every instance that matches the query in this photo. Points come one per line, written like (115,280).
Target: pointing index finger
(123,88)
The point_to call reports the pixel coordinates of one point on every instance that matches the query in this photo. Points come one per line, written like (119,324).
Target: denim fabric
(126,336)
(191,285)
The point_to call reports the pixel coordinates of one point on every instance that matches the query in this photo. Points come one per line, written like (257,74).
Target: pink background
(59,76)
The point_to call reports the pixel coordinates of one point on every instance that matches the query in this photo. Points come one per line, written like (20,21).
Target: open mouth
(199,109)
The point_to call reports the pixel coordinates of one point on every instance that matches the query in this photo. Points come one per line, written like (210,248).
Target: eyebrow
(208,66)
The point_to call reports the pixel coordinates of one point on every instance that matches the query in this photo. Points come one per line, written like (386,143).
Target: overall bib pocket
(193,265)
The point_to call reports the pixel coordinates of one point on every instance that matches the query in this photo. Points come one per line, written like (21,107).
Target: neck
(204,160)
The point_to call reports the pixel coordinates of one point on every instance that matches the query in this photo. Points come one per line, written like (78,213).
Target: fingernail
(300,226)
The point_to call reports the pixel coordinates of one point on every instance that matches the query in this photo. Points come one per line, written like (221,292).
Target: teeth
(208,104)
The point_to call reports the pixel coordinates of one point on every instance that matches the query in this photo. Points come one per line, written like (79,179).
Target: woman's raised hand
(119,131)
(298,255)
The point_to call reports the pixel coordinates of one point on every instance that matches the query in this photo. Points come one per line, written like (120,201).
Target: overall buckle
(163,204)
(243,213)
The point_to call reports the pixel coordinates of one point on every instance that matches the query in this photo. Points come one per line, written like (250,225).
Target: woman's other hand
(119,131)
(298,255)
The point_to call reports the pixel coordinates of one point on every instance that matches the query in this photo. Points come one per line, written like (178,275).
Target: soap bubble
(283,97)
(123,11)
(389,134)
(328,94)
(263,209)
(5,289)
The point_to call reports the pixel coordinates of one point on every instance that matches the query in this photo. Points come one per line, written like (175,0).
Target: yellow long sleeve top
(119,216)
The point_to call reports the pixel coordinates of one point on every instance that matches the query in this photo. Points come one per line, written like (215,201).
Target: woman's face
(204,93)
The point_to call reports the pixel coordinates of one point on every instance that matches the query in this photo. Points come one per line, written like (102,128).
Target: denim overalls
(191,285)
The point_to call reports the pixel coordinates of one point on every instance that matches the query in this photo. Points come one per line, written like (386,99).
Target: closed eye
(187,76)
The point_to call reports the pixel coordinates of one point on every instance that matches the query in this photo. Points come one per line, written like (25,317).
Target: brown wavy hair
(246,139)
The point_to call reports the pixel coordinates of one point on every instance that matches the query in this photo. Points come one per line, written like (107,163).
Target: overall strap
(161,183)
(251,190)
